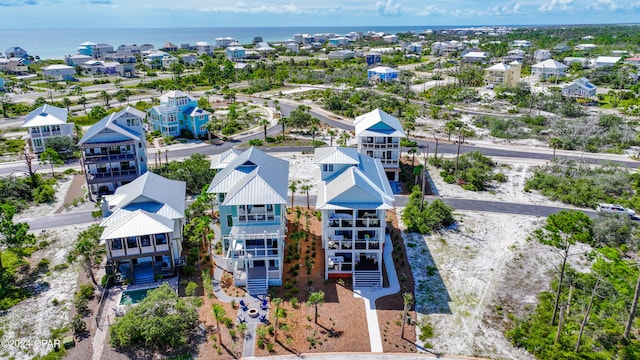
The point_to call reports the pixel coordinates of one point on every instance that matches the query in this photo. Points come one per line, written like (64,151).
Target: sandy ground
(471,278)
(33,318)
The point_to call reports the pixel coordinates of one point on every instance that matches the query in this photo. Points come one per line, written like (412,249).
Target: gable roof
(383,70)
(364,186)
(550,64)
(174,94)
(46,115)
(378,122)
(138,223)
(220,161)
(336,155)
(109,122)
(150,187)
(498,67)
(253,177)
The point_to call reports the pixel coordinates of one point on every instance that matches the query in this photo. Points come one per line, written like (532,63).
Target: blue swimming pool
(133,296)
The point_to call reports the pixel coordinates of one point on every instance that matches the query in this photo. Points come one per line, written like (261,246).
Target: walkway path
(251,302)
(370,295)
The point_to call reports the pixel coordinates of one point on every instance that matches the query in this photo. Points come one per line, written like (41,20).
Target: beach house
(143,227)
(372,58)
(44,123)
(114,151)
(580,88)
(602,61)
(507,75)
(548,68)
(382,74)
(353,196)
(59,72)
(251,191)
(379,135)
(16,51)
(178,112)
(235,53)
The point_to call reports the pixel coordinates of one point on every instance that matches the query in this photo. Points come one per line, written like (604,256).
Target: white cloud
(388,7)
(553,5)
(243,7)
(601,5)
(432,10)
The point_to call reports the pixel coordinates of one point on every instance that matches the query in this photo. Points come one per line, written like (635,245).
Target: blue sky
(225,13)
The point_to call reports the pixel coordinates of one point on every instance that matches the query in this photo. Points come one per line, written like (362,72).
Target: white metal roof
(46,115)
(550,64)
(108,122)
(220,161)
(150,187)
(383,70)
(336,155)
(370,120)
(138,223)
(57,67)
(498,67)
(253,177)
(364,186)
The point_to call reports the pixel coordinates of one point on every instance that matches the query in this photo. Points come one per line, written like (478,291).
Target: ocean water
(57,43)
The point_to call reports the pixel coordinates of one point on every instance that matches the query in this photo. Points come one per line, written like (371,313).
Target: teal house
(251,191)
(177,114)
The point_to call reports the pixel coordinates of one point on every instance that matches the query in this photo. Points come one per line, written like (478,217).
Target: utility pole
(424,173)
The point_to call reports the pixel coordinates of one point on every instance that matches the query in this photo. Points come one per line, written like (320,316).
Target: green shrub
(44,194)
(191,288)
(255,142)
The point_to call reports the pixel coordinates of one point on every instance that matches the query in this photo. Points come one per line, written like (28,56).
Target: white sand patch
(469,280)
(302,169)
(33,318)
(61,188)
(517,172)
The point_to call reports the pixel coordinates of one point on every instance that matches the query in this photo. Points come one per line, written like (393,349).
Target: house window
(161,239)
(229,220)
(116,244)
(327,167)
(37,142)
(145,240)
(131,242)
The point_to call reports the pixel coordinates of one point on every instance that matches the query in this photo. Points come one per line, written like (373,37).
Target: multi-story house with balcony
(143,228)
(379,135)
(44,123)
(353,197)
(252,195)
(114,151)
(178,112)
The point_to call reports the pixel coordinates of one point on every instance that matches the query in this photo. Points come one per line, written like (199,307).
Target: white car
(615,209)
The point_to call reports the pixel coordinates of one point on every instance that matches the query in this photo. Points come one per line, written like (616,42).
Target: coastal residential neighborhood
(465,192)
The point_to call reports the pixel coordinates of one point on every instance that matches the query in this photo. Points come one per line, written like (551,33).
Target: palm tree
(331,133)
(417,170)
(83,101)
(66,102)
(89,249)
(344,136)
(219,313)
(555,143)
(283,120)
(316,299)
(277,302)
(413,152)
(407,299)
(106,97)
(306,188)
(293,186)
(264,123)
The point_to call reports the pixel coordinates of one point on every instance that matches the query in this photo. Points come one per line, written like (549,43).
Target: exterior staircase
(367,279)
(257,286)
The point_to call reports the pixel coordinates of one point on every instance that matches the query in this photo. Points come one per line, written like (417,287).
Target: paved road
(73,218)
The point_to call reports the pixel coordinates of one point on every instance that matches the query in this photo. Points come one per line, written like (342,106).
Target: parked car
(615,209)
